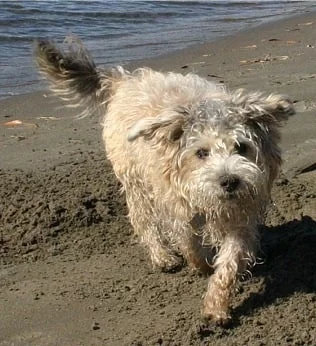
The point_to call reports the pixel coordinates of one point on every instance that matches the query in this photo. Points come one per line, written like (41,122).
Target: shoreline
(192,52)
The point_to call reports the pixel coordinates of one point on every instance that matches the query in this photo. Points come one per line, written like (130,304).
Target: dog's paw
(202,267)
(219,318)
(215,315)
(169,264)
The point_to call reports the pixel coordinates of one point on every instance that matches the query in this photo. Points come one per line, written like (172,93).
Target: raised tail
(73,74)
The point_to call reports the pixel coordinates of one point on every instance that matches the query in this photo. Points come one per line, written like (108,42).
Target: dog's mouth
(198,221)
(231,195)
(236,196)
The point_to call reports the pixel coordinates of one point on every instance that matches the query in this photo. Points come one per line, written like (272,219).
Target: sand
(71,271)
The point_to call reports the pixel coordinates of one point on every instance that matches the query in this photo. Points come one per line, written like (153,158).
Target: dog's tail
(74,75)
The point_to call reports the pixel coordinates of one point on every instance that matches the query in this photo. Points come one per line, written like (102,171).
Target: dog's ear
(265,111)
(168,125)
(264,114)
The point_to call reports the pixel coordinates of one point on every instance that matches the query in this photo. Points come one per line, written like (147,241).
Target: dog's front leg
(236,253)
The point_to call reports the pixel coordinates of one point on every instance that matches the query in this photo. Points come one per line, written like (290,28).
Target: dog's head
(220,152)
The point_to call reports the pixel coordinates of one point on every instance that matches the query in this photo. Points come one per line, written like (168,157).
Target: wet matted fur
(196,161)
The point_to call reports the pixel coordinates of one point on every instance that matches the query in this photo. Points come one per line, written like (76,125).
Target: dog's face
(221,153)
(220,165)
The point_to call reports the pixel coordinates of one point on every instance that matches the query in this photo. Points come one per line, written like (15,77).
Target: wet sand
(71,271)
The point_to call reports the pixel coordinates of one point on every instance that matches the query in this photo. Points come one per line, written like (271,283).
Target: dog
(196,161)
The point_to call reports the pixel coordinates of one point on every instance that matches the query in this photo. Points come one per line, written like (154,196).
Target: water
(120,31)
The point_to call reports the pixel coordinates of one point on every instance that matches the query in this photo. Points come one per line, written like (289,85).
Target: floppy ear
(168,126)
(265,111)
(264,114)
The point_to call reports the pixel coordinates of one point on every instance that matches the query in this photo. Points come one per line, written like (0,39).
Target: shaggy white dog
(196,162)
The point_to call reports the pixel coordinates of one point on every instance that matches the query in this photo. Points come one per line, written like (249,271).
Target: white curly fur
(196,162)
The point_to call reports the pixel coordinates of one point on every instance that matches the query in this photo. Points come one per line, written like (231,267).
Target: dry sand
(71,271)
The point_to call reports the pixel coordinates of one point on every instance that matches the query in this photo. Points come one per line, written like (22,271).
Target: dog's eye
(202,153)
(241,148)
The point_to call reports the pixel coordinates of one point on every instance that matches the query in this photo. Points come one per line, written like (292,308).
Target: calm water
(119,31)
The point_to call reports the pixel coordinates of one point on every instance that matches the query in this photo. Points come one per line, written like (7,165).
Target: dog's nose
(229,182)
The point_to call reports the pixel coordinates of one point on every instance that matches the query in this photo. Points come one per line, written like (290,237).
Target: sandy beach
(71,271)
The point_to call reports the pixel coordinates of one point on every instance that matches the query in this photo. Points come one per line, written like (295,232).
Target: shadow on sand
(289,253)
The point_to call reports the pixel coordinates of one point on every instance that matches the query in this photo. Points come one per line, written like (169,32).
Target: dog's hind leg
(189,239)
(161,254)
(197,256)
(150,231)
